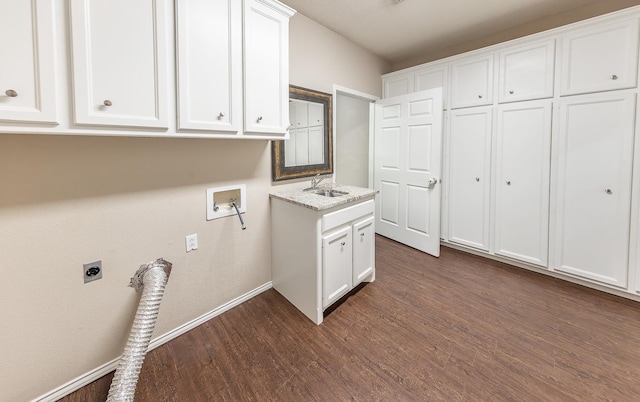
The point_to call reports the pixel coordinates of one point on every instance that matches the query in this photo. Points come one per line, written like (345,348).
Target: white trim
(106,368)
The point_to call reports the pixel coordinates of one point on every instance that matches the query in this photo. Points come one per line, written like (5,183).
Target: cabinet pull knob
(343,243)
(259,119)
(11,93)
(362,234)
(477,179)
(220,116)
(608,191)
(107,102)
(614,77)
(479,96)
(508,182)
(511,92)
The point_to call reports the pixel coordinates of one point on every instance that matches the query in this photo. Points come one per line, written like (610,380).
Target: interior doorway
(353,137)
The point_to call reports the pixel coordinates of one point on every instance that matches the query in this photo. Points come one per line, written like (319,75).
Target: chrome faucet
(315,180)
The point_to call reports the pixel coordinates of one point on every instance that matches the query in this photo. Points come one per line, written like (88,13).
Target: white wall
(352,141)
(65,201)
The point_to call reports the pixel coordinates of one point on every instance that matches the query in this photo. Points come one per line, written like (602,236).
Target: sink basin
(330,193)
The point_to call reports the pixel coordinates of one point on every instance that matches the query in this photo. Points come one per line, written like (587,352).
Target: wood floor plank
(454,328)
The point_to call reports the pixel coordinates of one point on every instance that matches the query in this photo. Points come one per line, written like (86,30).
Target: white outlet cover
(191,242)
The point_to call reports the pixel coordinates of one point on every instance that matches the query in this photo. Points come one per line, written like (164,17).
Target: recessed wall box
(219,201)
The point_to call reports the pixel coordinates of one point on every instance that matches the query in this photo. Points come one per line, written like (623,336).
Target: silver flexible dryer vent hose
(151,278)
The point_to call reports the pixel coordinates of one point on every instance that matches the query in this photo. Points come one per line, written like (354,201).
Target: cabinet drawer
(334,219)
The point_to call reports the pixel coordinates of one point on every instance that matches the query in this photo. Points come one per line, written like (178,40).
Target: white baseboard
(108,367)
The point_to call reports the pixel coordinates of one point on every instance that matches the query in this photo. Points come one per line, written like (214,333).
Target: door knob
(432,181)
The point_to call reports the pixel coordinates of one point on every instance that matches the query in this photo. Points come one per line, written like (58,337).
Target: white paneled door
(408,150)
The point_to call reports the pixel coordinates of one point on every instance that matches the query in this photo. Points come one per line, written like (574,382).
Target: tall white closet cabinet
(542,151)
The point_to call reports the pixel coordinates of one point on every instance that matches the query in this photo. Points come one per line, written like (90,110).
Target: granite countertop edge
(308,199)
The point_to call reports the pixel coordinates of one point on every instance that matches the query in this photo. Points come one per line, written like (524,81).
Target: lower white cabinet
(592,180)
(318,256)
(470,176)
(521,185)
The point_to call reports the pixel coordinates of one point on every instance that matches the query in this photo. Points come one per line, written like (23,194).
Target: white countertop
(308,199)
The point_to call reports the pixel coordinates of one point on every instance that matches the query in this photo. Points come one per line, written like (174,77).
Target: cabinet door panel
(472,82)
(336,265)
(119,71)
(526,72)
(397,86)
(600,58)
(266,68)
(469,177)
(363,249)
(522,181)
(433,77)
(27,78)
(209,65)
(593,187)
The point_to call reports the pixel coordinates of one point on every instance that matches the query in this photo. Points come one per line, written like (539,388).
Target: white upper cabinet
(209,65)
(594,149)
(521,183)
(526,72)
(398,85)
(433,77)
(472,81)
(266,68)
(27,73)
(600,58)
(119,62)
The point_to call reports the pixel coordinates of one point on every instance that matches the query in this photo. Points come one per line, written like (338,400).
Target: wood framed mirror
(309,149)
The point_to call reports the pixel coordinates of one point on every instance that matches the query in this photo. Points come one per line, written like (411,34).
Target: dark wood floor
(457,328)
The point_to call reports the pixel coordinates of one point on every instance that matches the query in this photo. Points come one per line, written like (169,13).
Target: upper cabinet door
(433,77)
(397,85)
(27,78)
(209,65)
(266,68)
(472,81)
(119,62)
(600,58)
(526,72)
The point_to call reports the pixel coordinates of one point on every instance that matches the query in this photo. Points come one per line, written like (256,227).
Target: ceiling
(411,28)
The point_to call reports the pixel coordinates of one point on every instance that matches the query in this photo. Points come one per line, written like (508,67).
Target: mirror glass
(309,149)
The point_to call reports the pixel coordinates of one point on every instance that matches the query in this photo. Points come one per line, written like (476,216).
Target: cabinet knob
(512,92)
(479,96)
(343,243)
(614,77)
(477,179)
(259,119)
(107,102)
(508,182)
(608,191)
(362,234)
(11,93)
(220,116)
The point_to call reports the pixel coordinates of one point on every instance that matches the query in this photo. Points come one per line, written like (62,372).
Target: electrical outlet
(92,271)
(192,242)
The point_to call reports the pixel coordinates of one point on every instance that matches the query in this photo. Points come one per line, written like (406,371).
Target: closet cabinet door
(119,62)
(209,65)
(397,85)
(266,68)
(526,72)
(522,181)
(600,58)
(593,187)
(472,81)
(27,78)
(469,177)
